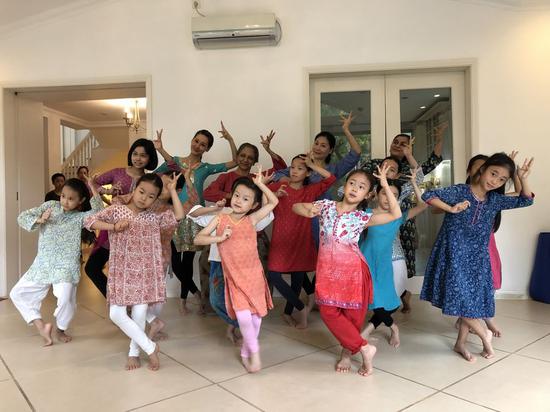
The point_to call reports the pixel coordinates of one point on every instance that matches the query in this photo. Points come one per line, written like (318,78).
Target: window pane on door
(422,111)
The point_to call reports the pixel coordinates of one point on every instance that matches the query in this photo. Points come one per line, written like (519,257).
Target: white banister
(80,156)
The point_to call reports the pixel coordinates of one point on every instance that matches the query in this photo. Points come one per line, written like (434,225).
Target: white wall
(255,90)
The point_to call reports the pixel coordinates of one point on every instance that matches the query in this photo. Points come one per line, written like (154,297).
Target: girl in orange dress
(247,296)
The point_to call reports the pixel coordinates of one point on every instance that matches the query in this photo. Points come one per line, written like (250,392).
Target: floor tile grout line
(187,367)
(472,402)
(529,344)
(17,384)
(240,397)
(418,401)
(170,397)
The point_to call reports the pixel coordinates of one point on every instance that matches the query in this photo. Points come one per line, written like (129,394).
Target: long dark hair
(149,148)
(331,142)
(83,193)
(471,164)
(502,160)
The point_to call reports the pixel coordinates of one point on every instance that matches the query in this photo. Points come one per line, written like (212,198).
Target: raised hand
(346,120)
(513,154)
(412,176)
(460,207)
(281,192)
(408,148)
(116,188)
(224,133)
(158,142)
(440,129)
(220,204)
(266,141)
(171,185)
(121,225)
(525,170)
(381,175)
(44,216)
(259,179)
(309,160)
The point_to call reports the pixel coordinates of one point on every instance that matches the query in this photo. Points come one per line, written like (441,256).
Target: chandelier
(132,119)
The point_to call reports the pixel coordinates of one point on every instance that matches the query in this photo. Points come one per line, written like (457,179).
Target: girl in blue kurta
(183,249)
(57,262)
(458,276)
(377,249)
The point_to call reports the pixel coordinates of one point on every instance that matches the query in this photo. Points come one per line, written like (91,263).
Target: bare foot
(154,361)
(246,363)
(301,318)
(488,351)
(394,337)
(255,364)
(344,364)
(238,336)
(367,352)
(461,350)
(61,336)
(289,320)
(132,363)
(367,331)
(202,310)
(45,330)
(493,328)
(183,307)
(406,300)
(155,329)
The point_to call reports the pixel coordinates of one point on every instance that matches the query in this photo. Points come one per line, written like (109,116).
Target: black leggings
(94,269)
(382,315)
(182,265)
(290,293)
(309,285)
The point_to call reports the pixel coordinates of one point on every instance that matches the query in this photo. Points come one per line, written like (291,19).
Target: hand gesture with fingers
(281,192)
(44,217)
(525,170)
(309,160)
(412,176)
(226,233)
(346,120)
(266,141)
(439,130)
(381,175)
(116,188)
(259,179)
(171,185)
(513,154)
(121,225)
(460,207)
(408,148)
(224,133)
(313,211)
(220,204)
(158,142)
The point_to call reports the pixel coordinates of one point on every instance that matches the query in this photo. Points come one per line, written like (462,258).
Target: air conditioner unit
(217,32)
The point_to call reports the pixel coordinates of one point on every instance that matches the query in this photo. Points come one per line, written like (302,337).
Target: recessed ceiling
(97,110)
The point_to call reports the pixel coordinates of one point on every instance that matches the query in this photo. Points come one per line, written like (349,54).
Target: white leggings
(400,276)
(27,296)
(153,311)
(133,327)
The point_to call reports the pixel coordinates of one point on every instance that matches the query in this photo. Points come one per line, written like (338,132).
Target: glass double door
(384,105)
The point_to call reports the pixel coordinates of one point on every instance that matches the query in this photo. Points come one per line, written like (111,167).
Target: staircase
(80,156)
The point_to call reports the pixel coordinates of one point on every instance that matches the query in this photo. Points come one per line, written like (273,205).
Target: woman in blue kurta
(458,276)
(377,248)
(183,249)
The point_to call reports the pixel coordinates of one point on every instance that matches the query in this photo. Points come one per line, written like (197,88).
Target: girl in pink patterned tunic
(136,270)
(247,296)
(344,289)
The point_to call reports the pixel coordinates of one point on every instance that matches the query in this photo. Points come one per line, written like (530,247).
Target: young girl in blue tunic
(378,251)
(458,276)
(57,262)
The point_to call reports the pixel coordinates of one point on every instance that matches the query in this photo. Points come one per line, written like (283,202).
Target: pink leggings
(249,324)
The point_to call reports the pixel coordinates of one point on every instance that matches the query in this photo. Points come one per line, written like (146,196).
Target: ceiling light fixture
(422,107)
(437,95)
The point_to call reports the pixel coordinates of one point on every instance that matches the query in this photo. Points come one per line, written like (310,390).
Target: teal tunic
(377,249)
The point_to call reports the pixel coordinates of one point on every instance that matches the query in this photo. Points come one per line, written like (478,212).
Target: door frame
(9,184)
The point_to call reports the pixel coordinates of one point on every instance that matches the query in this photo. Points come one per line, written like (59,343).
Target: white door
(389,104)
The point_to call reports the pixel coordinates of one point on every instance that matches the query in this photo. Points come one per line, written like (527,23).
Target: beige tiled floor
(200,369)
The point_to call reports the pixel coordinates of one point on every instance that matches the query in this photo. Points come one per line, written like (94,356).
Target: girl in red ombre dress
(344,288)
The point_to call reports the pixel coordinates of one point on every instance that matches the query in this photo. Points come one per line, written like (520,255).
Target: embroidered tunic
(136,271)
(458,276)
(58,257)
(340,265)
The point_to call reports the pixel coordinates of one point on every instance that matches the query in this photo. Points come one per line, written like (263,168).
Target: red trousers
(346,324)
